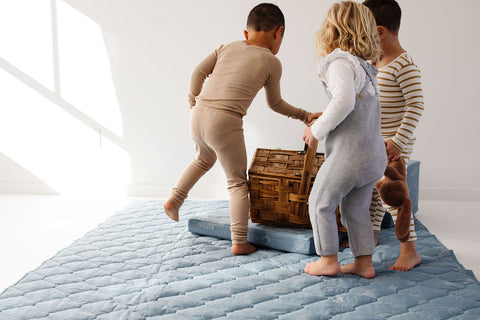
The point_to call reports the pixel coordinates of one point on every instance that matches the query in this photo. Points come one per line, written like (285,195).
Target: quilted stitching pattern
(140,265)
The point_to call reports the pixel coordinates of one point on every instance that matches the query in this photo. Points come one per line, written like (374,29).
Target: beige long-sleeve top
(237,72)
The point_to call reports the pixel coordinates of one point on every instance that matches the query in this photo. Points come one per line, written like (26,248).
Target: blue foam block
(217,224)
(413,181)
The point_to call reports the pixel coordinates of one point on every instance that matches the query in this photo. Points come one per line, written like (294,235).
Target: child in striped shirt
(401,99)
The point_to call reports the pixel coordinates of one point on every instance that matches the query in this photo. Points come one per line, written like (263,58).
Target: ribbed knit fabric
(401,98)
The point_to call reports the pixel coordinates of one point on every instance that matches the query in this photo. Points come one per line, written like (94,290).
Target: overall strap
(371,74)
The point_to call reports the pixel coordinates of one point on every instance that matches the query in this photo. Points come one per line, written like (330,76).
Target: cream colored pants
(219,134)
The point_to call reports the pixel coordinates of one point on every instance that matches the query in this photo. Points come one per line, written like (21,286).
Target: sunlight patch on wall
(85,72)
(26,38)
(58,99)
(59,149)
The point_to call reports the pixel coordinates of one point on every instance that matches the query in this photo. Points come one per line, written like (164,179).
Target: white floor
(34,228)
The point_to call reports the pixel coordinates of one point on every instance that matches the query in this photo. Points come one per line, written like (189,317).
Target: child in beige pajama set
(236,72)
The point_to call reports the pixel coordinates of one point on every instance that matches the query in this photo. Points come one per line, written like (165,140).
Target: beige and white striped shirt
(401,98)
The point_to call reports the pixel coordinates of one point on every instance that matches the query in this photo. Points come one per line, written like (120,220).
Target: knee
(238,187)
(204,164)
(321,205)
(312,202)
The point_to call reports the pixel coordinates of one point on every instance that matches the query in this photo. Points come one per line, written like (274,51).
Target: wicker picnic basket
(280,183)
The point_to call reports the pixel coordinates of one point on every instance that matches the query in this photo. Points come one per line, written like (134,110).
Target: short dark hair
(387,13)
(265,17)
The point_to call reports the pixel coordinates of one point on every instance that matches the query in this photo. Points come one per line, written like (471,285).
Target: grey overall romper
(355,161)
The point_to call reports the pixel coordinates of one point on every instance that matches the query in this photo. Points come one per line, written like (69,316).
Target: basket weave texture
(280,183)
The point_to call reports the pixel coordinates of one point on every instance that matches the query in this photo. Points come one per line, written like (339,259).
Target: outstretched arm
(274,97)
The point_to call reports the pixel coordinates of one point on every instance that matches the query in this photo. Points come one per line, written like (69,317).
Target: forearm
(288,110)
(407,128)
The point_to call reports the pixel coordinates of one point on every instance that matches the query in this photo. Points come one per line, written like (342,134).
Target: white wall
(93,95)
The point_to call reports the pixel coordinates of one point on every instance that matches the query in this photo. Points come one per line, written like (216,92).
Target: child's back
(358,137)
(237,72)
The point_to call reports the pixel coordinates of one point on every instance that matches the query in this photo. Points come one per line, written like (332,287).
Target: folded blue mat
(141,265)
(216,223)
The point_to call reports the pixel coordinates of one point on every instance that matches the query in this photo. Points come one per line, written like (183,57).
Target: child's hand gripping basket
(280,183)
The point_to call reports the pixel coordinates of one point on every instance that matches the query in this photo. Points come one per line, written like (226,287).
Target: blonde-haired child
(354,148)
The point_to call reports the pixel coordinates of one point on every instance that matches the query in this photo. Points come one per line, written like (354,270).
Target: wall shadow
(54,96)
(30,183)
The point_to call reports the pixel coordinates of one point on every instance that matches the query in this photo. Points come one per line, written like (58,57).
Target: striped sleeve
(410,82)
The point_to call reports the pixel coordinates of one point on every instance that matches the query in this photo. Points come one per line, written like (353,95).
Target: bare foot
(325,266)
(170,210)
(246,248)
(362,266)
(408,258)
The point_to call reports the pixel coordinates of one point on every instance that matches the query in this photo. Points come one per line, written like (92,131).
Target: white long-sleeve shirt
(343,77)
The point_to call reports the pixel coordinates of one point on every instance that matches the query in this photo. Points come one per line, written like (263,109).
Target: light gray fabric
(355,160)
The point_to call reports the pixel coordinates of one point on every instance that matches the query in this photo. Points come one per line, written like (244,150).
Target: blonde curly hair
(351,27)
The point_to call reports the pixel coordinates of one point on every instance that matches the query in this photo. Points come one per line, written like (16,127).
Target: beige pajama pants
(219,134)
(377,207)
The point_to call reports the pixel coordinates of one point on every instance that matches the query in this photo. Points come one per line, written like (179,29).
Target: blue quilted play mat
(140,265)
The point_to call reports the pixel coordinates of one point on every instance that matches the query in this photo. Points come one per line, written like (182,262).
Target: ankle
(169,205)
(170,210)
(332,259)
(364,261)
(244,248)
(408,247)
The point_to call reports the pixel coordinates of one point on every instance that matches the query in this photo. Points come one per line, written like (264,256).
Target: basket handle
(305,149)
(307,167)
